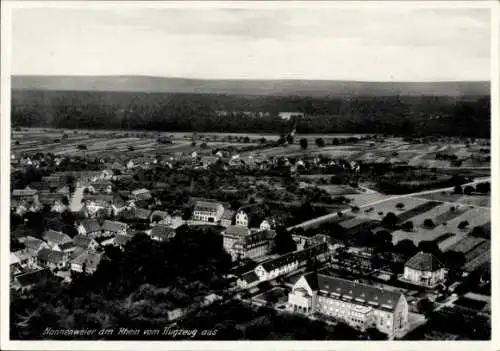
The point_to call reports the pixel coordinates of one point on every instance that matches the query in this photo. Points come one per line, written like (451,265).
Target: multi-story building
(208,211)
(425,270)
(290,262)
(358,305)
(241,243)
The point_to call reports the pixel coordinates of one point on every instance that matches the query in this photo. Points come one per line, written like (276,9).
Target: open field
(474,200)
(381,209)
(393,150)
(474,216)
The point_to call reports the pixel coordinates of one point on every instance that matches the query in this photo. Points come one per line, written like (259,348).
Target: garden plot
(409,203)
(478,261)
(420,209)
(467,244)
(475,200)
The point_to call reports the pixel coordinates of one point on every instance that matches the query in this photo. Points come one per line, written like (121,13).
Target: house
(160,217)
(26,281)
(241,243)
(56,239)
(34,245)
(162,233)
(208,211)
(227,218)
(140,194)
(118,205)
(25,258)
(111,228)
(250,216)
(86,177)
(142,214)
(359,305)
(90,228)
(95,203)
(51,259)
(424,270)
(100,186)
(26,194)
(85,242)
(248,280)
(87,262)
(289,262)
(121,240)
(66,248)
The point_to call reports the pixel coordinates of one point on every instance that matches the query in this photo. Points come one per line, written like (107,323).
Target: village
(303,234)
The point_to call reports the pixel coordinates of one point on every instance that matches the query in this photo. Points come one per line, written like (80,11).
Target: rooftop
(424,262)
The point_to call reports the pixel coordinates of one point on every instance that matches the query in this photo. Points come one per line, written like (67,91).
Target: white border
(8,5)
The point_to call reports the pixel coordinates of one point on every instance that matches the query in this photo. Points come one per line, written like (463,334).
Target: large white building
(358,305)
(208,211)
(425,270)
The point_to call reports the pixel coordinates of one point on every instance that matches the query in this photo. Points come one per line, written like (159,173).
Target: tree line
(413,116)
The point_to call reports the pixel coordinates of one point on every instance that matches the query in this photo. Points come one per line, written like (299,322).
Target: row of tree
(197,112)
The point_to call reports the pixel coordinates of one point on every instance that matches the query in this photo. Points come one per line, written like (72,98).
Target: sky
(363,44)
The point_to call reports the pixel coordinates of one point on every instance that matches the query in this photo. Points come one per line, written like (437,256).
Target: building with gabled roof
(208,211)
(26,281)
(424,270)
(86,262)
(360,305)
(51,259)
(111,228)
(140,194)
(89,227)
(162,233)
(54,238)
(290,262)
(85,242)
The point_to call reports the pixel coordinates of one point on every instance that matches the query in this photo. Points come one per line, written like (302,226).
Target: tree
(406,247)
(458,189)
(82,147)
(283,241)
(468,190)
(289,139)
(454,261)
(203,145)
(303,143)
(131,148)
(425,306)
(483,188)
(429,223)
(428,246)
(390,220)
(383,241)
(400,205)
(319,142)
(407,226)
(355,209)
(375,334)
(463,225)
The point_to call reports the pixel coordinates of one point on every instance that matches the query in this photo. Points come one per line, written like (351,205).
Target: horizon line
(247,79)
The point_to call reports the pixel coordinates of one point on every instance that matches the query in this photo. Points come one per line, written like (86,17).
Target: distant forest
(395,115)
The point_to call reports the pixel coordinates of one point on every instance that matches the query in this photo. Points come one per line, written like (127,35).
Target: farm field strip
(448,216)
(425,207)
(390,206)
(477,250)
(478,261)
(467,244)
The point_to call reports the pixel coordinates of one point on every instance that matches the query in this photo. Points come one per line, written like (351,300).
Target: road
(319,220)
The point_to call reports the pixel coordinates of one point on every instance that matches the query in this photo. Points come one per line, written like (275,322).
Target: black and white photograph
(185,172)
